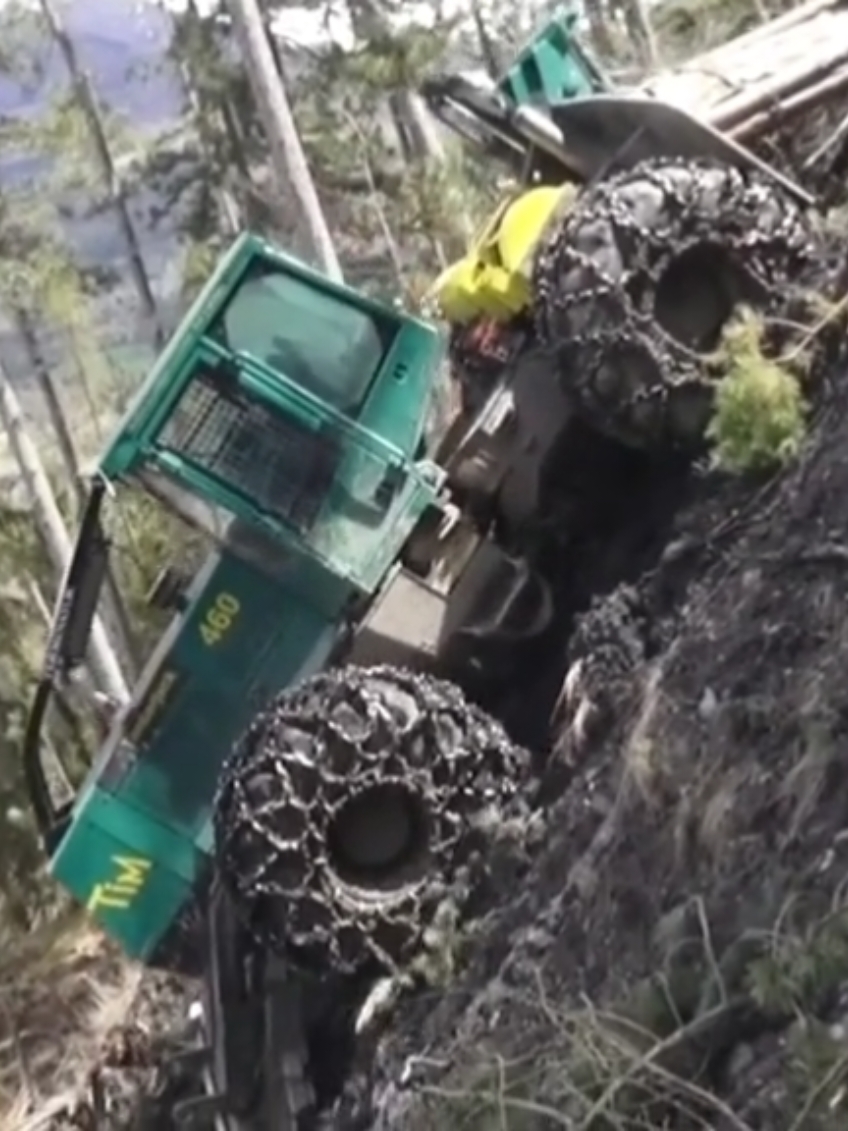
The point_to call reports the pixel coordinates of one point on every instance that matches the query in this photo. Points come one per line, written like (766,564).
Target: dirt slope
(676,955)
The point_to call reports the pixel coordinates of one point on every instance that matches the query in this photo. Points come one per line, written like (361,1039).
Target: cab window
(329,348)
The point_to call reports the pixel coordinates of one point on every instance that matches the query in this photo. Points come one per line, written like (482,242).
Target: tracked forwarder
(298,777)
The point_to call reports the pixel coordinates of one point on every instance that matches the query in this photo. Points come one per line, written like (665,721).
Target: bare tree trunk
(67,451)
(598,30)
(638,21)
(88,104)
(417,130)
(116,613)
(494,65)
(374,199)
(226,109)
(290,165)
(105,665)
(228,205)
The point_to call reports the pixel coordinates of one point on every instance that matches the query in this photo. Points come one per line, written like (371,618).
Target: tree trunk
(491,59)
(637,19)
(105,665)
(290,165)
(599,33)
(416,128)
(206,119)
(88,104)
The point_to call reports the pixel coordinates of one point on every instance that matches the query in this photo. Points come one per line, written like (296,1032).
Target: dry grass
(585,1069)
(61,991)
(644,755)
(641,1064)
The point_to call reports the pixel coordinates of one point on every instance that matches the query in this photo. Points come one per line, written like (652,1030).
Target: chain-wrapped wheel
(351,805)
(635,286)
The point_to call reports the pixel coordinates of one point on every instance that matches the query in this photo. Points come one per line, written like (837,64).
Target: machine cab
(294,406)
(283,425)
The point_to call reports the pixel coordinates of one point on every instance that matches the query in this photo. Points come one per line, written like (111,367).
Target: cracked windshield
(422,653)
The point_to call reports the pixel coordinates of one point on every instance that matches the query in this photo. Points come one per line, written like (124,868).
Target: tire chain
(596,275)
(313,749)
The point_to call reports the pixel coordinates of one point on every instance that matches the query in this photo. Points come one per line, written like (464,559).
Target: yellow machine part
(493,278)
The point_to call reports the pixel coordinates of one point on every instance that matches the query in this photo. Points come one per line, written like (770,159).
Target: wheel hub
(696,295)
(379,837)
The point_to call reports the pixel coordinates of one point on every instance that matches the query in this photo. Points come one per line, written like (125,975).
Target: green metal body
(553,116)
(293,409)
(553,67)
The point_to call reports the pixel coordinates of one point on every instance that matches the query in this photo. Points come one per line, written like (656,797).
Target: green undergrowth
(760,416)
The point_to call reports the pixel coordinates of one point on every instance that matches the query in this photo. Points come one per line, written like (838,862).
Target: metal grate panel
(280,466)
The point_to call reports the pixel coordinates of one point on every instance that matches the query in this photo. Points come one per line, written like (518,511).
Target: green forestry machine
(299,775)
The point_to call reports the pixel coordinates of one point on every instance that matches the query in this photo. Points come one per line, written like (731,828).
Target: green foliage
(759,420)
(200,261)
(146,538)
(40,281)
(66,131)
(398,61)
(21,43)
(818,1076)
(796,978)
(800,969)
(24,893)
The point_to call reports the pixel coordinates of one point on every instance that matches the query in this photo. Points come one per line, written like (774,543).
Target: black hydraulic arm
(251,1056)
(66,649)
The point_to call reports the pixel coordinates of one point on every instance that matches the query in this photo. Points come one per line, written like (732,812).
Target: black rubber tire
(318,746)
(603,289)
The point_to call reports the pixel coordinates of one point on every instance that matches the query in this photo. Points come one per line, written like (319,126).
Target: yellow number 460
(219,618)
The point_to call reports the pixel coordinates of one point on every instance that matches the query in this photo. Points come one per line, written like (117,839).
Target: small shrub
(760,414)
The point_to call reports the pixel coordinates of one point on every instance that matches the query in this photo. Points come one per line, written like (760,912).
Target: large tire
(635,285)
(322,782)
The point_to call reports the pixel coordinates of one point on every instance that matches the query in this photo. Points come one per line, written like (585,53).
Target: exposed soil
(674,951)
(677,954)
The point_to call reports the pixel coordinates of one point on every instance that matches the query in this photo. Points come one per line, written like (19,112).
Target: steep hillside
(666,946)
(674,951)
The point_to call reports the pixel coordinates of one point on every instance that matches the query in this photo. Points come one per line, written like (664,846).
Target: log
(781,114)
(800,15)
(780,68)
(776,92)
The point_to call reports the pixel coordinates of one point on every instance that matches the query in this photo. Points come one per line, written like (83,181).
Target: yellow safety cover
(493,278)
